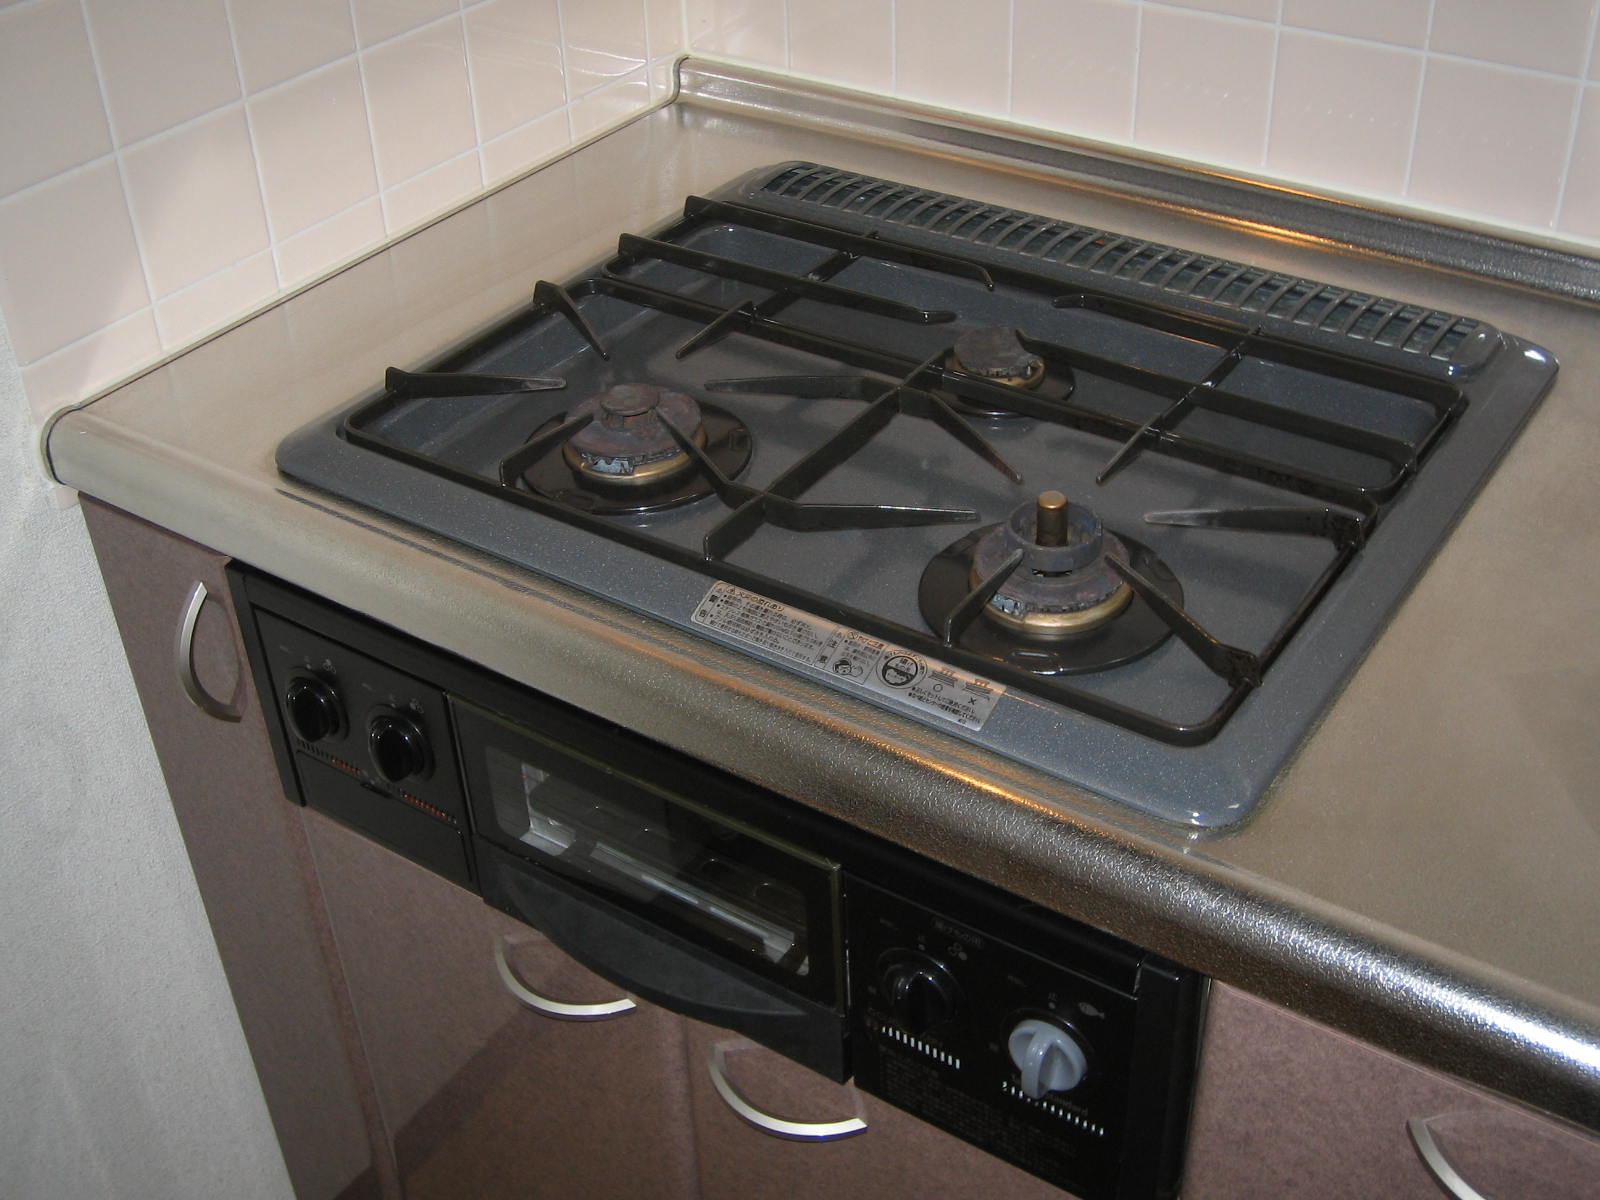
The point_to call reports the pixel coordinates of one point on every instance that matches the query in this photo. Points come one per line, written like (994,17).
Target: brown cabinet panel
(246,848)
(482,1096)
(1287,1107)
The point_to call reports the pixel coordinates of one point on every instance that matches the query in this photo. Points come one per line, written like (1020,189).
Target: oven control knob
(920,993)
(399,748)
(313,708)
(1049,1056)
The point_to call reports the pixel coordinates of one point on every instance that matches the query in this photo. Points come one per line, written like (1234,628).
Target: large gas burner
(623,451)
(1047,590)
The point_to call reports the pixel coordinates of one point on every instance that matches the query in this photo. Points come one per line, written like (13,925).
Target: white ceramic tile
(522,149)
(420,101)
(1492,140)
(1550,35)
(953,53)
(1594,54)
(514,49)
(663,76)
(752,30)
(379,20)
(279,39)
(68,260)
(184,317)
(605,41)
(1325,129)
(663,27)
(1072,65)
(1260,10)
(1400,22)
(865,57)
(433,192)
(610,106)
(313,147)
(51,115)
(196,200)
(1580,207)
(1203,86)
(162,61)
(323,247)
(88,366)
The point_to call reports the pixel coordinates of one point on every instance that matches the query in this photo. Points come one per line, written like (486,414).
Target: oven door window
(649,847)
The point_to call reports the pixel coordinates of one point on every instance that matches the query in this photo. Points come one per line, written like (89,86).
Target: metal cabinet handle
(544,1005)
(799,1131)
(1438,1165)
(192,688)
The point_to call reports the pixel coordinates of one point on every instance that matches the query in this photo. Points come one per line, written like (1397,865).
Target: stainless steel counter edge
(1017,828)
(1547,264)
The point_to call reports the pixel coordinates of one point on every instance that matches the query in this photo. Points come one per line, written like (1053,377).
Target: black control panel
(1052,1047)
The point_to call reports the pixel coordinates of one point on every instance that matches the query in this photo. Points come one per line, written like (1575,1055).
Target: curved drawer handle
(544,1005)
(1438,1165)
(799,1131)
(192,688)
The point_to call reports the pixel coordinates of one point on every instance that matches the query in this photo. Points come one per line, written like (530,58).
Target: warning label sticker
(853,659)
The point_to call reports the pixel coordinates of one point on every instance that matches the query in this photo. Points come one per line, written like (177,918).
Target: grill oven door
(667,896)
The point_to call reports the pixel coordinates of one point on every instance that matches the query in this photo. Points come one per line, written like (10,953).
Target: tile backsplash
(168,165)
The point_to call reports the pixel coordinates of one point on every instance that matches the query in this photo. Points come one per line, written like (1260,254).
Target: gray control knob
(1049,1056)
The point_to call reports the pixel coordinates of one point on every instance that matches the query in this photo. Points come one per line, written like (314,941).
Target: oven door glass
(649,849)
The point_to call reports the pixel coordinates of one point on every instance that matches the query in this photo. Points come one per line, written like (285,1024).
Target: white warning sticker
(850,658)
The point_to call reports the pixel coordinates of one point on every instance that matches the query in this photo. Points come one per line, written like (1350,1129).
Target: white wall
(122,1069)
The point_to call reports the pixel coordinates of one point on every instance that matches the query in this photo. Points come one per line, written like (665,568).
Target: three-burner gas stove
(1122,512)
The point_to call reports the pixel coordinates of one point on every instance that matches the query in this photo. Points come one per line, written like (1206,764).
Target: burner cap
(627,444)
(1063,586)
(997,354)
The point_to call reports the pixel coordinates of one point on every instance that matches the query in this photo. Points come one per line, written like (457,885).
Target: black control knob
(313,708)
(399,748)
(921,994)
(1048,1055)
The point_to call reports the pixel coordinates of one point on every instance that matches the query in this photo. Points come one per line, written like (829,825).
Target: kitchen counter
(1422,875)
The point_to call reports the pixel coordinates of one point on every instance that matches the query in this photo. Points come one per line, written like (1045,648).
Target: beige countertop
(1423,874)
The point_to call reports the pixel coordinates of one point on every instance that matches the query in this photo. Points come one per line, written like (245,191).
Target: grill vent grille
(1236,286)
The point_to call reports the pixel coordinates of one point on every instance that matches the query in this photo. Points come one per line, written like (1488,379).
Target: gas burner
(995,354)
(625,460)
(1055,605)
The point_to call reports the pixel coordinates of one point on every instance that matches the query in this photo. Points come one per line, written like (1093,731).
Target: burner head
(627,443)
(997,354)
(1063,586)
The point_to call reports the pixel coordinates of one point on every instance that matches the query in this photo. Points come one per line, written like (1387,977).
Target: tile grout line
(1272,88)
(122,177)
(1576,121)
(472,97)
(366,105)
(1416,107)
(255,160)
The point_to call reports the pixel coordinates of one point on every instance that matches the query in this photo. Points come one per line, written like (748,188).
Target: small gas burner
(1038,591)
(624,457)
(995,354)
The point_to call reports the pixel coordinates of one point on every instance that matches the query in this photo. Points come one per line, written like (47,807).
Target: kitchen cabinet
(245,844)
(481,1096)
(378,1002)
(1288,1107)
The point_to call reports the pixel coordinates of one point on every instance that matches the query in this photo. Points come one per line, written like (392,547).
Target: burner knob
(1049,1056)
(399,748)
(920,993)
(313,708)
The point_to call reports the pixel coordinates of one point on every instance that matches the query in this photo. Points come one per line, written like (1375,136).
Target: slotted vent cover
(1232,285)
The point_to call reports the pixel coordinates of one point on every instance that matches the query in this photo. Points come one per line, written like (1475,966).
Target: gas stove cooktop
(1122,512)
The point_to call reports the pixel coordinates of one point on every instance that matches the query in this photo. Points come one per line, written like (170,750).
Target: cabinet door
(895,1154)
(482,1095)
(244,842)
(1287,1107)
